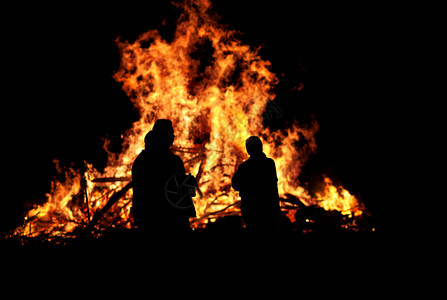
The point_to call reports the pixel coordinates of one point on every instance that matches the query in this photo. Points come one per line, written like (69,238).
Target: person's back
(151,172)
(256,181)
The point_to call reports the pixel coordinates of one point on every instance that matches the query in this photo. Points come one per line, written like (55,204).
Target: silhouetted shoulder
(138,163)
(272,164)
(243,165)
(176,157)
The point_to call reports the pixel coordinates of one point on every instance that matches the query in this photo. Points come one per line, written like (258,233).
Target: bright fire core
(215,90)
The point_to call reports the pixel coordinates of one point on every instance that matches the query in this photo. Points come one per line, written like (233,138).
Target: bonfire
(217,91)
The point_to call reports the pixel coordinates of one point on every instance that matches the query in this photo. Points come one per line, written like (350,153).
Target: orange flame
(334,198)
(215,90)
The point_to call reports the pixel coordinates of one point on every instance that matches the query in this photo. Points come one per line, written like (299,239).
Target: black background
(61,102)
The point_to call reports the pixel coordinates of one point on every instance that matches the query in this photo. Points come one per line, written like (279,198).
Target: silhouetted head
(253,145)
(161,136)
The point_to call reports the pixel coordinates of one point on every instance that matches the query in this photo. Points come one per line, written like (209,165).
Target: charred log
(112,200)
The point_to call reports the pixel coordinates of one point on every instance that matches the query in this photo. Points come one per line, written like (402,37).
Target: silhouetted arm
(180,165)
(274,176)
(275,187)
(236,180)
(137,171)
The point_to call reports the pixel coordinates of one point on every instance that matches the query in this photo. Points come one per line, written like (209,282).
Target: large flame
(215,90)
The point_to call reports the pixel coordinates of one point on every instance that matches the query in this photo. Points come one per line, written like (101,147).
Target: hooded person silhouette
(256,181)
(152,172)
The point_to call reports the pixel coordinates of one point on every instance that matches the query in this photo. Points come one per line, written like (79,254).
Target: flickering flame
(56,214)
(333,198)
(215,90)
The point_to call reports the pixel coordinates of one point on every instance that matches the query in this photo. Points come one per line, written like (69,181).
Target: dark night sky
(60,61)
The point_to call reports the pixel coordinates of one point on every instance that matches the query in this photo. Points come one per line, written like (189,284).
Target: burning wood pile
(217,91)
